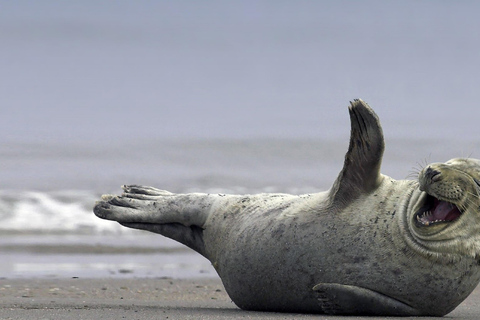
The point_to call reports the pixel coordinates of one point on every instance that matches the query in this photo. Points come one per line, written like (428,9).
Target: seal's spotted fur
(369,245)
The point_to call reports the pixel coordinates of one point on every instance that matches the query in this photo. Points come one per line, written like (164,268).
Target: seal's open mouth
(436,211)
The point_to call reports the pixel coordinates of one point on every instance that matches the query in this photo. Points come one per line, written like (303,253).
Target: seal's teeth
(427,214)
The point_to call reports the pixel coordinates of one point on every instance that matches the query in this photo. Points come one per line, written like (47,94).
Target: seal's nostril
(432,175)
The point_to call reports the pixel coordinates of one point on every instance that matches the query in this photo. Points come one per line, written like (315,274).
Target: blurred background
(212,96)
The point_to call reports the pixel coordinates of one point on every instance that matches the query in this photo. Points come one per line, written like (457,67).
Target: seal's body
(369,245)
(272,259)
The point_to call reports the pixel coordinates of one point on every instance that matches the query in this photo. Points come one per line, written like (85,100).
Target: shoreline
(130,255)
(145,298)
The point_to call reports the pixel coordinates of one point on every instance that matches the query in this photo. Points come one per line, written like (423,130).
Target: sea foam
(59,211)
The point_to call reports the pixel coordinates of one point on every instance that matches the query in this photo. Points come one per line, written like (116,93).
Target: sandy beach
(144,298)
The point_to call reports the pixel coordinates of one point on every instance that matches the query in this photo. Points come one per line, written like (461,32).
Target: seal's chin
(435,211)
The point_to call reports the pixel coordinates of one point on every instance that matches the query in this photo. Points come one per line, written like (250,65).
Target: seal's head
(446,217)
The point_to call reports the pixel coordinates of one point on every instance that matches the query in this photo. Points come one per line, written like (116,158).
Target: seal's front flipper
(351,300)
(361,169)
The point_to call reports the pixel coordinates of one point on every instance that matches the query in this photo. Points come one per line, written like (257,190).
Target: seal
(370,245)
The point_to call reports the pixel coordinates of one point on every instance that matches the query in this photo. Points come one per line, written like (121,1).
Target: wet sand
(144,298)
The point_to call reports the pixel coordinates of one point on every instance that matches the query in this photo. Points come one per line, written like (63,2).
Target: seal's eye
(477,182)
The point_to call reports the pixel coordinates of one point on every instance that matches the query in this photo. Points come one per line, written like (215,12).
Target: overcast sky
(99,70)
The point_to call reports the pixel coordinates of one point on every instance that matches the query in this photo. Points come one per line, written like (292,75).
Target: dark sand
(144,299)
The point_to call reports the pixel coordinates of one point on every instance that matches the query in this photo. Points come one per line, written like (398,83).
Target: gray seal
(370,245)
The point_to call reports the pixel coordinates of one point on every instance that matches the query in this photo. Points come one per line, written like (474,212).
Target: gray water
(231,97)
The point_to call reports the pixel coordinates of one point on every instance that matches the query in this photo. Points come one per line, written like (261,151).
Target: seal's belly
(289,256)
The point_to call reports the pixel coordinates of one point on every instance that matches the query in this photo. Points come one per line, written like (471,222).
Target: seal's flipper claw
(143,192)
(361,169)
(107,197)
(341,299)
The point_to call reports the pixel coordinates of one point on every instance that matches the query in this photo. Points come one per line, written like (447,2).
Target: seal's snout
(428,176)
(440,206)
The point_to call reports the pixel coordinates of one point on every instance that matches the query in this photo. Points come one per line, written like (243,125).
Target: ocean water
(244,97)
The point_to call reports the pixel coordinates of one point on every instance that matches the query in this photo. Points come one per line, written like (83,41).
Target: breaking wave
(59,211)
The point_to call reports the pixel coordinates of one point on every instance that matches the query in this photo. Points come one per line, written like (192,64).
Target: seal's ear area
(337,298)
(361,170)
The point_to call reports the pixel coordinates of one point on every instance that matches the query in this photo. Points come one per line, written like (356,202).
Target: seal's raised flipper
(348,300)
(361,169)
